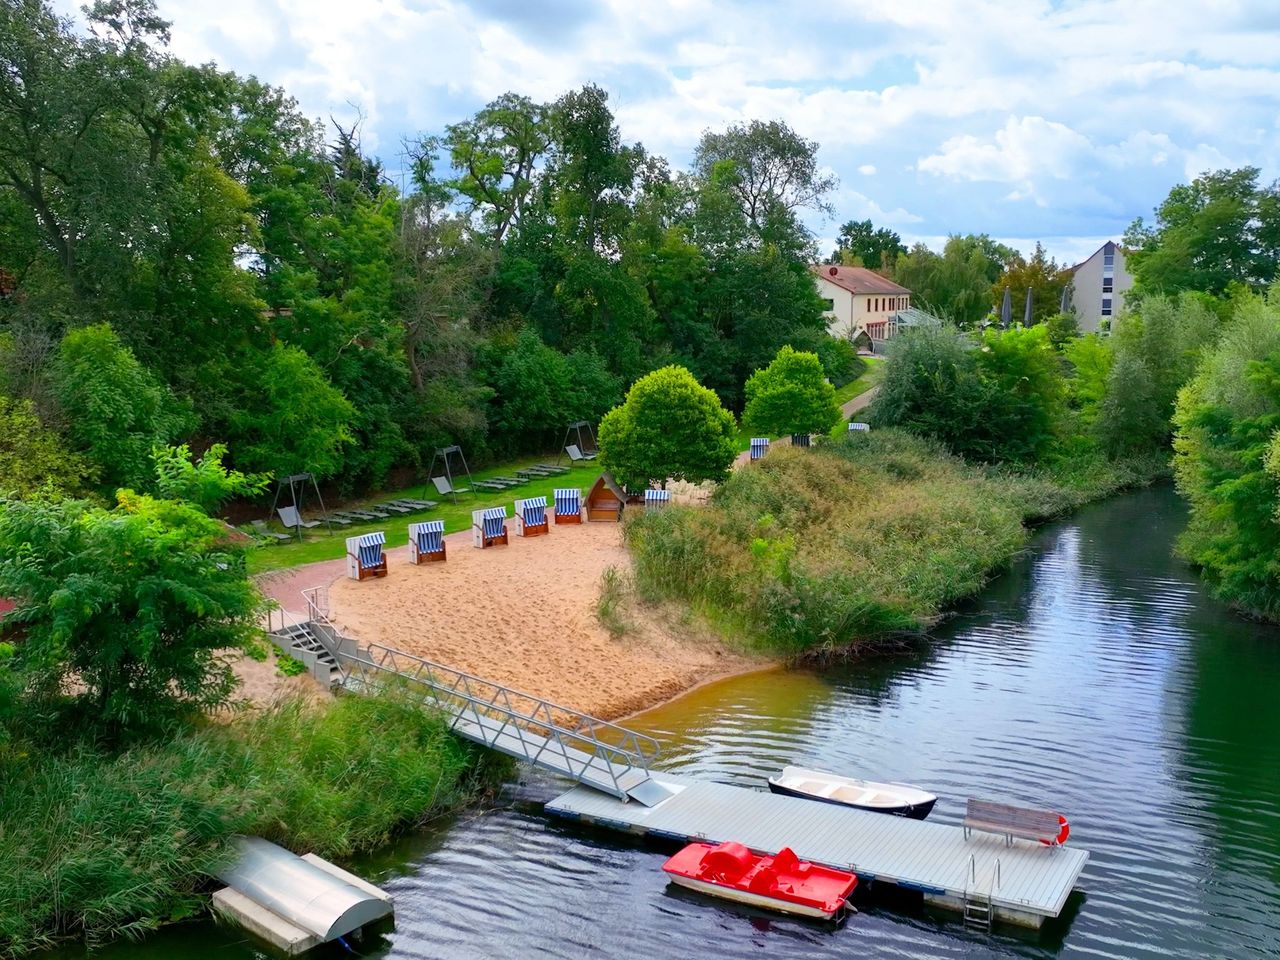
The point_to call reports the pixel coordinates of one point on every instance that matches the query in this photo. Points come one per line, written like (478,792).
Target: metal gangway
(594,752)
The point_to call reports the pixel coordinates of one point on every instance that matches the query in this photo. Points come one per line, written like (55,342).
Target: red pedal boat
(782,882)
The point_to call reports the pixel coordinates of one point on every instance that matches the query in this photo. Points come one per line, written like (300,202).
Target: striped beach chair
(365,557)
(856,427)
(759,447)
(656,498)
(489,526)
(568,505)
(426,541)
(531,517)
(800,439)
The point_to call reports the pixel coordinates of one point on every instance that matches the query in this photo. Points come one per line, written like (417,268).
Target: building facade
(1098,285)
(858,300)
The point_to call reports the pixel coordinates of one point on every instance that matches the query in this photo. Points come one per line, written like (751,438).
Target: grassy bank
(98,845)
(871,534)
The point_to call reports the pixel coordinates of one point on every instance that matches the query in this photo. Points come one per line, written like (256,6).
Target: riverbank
(837,548)
(96,845)
(552,616)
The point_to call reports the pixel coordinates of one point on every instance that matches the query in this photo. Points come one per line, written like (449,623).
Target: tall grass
(100,845)
(870,535)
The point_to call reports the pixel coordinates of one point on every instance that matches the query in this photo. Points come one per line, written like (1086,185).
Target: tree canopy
(670,427)
(791,395)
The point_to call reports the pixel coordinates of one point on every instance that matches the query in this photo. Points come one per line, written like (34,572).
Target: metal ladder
(979,911)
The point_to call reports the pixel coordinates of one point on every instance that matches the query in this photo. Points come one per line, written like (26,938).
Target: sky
(1058,122)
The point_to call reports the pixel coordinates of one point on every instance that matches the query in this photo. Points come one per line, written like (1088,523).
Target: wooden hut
(606,499)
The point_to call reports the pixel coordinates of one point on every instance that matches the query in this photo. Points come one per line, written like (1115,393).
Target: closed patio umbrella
(1006,311)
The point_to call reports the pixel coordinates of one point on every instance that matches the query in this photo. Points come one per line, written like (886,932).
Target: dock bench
(1009,821)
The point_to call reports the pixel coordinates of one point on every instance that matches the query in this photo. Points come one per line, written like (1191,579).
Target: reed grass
(96,845)
(868,535)
(614,601)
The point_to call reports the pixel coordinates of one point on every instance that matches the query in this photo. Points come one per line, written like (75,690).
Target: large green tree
(34,462)
(670,427)
(1220,229)
(791,395)
(861,243)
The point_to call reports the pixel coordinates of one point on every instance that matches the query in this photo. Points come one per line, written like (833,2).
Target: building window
(1108,259)
(828,305)
(1106,306)
(1106,285)
(868,304)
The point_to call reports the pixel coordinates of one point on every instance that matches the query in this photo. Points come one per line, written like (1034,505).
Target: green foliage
(956,283)
(99,845)
(117,410)
(669,427)
(791,395)
(1220,229)
(1062,328)
(1156,350)
(134,608)
(206,483)
(33,460)
(1225,460)
(792,562)
(293,420)
(860,241)
(999,401)
(840,361)
(1090,358)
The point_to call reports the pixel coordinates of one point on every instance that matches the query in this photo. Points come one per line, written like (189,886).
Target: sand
(524,615)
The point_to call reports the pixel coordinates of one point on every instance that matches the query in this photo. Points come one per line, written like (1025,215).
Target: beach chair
(800,440)
(489,526)
(855,427)
(262,530)
(531,517)
(551,469)
(655,499)
(414,504)
(292,520)
(394,507)
(426,542)
(568,505)
(447,489)
(492,486)
(362,514)
(341,519)
(576,455)
(365,556)
(759,447)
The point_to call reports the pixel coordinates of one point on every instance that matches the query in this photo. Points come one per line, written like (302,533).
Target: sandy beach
(525,615)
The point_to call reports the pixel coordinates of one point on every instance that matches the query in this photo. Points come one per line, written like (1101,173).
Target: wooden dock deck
(982,876)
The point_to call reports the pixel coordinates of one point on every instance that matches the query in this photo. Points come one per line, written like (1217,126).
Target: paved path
(859,402)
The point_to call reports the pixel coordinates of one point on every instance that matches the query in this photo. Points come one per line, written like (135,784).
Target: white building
(858,300)
(1097,286)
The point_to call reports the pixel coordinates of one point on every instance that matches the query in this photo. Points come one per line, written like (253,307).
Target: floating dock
(984,877)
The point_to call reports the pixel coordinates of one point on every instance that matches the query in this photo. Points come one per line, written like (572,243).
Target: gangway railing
(583,747)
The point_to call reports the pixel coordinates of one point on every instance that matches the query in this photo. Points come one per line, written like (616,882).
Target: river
(1096,677)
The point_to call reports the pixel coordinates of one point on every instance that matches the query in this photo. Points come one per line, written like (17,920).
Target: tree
(117,410)
(34,461)
(205,483)
(135,609)
(956,283)
(873,248)
(1226,423)
(775,169)
(791,395)
(668,427)
(1042,276)
(1221,228)
(1090,359)
(293,420)
(1022,377)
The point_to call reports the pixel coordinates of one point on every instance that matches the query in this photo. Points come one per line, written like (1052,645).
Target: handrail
(646,746)
(459,700)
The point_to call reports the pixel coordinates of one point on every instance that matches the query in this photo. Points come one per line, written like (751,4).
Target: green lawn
(318,545)
(869,378)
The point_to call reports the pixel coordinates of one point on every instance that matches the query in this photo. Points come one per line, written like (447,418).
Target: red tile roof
(857,279)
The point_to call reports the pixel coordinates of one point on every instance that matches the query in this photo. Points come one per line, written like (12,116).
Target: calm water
(1095,677)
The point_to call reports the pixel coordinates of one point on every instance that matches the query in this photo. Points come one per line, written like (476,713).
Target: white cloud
(921,94)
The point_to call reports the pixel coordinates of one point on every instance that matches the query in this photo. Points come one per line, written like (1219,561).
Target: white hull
(750,899)
(866,794)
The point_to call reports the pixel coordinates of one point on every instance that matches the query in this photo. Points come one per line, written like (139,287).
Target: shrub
(669,427)
(791,395)
(34,461)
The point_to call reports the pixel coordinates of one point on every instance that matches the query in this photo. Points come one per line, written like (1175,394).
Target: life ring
(1064,831)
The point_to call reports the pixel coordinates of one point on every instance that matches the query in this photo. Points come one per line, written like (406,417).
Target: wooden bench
(1010,821)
